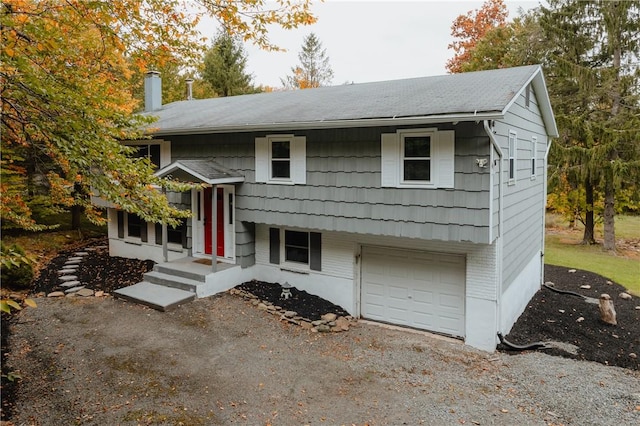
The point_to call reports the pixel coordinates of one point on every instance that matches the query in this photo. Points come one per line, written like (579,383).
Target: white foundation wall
(136,249)
(339,280)
(516,297)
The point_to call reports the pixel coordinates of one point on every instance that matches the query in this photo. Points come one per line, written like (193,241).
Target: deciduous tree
(314,69)
(67,102)
(469,28)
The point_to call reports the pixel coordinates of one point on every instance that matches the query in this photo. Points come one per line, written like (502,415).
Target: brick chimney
(152,91)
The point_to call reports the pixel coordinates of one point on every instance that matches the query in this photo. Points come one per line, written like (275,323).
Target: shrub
(15,275)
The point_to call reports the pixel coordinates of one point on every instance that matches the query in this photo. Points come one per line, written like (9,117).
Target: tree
(314,69)
(68,103)
(224,67)
(592,57)
(468,29)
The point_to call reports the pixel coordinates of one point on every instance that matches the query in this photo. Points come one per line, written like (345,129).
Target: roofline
(362,122)
(544,103)
(176,165)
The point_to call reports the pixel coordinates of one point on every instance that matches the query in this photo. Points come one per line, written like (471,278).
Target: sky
(369,40)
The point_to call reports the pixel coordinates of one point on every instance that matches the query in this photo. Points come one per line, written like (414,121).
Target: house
(417,202)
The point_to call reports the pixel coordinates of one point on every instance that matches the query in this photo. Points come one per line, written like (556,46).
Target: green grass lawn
(564,249)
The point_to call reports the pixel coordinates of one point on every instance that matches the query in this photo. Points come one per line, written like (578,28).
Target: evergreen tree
(224,67)
(592,59)
(314,69)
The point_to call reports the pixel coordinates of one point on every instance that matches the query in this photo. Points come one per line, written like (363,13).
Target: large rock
(329,317)
(607,310)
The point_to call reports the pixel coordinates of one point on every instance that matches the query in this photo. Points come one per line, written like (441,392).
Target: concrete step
(172,280)
(155,296)
(181,270)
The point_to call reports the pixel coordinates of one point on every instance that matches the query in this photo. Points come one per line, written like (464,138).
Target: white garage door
(412,288)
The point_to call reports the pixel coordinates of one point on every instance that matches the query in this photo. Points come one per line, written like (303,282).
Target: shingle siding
(343,190)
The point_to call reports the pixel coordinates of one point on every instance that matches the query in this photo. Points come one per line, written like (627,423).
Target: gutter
(496,146)
(310,125)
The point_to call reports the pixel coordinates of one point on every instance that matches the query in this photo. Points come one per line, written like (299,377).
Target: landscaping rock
(74,289)
(85,292)
(56,294)
(625,296)
(329,317)
(607,310)
(70,284)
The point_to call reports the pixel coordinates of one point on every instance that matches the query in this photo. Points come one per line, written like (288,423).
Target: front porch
(173,283)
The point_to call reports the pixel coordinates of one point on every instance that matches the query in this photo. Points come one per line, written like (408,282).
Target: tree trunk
(76,214)
(609,214)
(589,237)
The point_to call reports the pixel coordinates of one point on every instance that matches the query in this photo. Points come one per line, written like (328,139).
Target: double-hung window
(534,147)
(418,158)
(281,159)
(513,146)
(157,151)
(280,151)
(299,250)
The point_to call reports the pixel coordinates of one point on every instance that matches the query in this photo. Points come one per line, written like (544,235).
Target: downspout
(544,205)
(496,146)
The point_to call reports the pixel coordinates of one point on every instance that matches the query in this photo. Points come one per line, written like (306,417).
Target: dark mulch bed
(306,305)
(98,271)
(551,316)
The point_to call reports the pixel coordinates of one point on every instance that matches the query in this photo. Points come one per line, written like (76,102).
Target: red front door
(208,199)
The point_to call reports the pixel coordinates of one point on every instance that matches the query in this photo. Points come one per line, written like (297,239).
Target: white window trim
(432,134)
(512,160)
(165,149)
(533,164)
(442,159)
(297,154)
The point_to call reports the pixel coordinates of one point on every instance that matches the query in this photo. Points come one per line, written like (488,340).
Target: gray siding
(245,244)
(343,191)
(523,201)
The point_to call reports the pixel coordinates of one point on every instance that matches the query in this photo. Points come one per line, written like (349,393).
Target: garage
(413,288)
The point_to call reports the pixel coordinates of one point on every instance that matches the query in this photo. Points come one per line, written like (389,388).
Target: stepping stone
(74,289)
(67,271)
(56,294)
(72,266)
(67,278)
(70,284)
(85,292)
(74,258)
(80,253)
(73,262)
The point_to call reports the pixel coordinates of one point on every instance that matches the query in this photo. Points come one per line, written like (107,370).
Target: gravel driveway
(218,361)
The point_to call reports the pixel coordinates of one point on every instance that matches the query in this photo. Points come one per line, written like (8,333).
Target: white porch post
(214,227)
(165,238)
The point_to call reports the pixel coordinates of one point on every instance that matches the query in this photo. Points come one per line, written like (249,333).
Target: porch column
(214,227)
(165,238)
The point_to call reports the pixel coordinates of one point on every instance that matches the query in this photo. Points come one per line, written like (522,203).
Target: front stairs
(168,285)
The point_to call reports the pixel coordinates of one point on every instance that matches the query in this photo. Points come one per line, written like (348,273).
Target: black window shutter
(159,234)
(120,224)
(183,230)
(315,245)
(143,231)
(274,245)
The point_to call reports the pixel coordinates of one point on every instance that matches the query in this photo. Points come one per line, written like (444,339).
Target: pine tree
(314,69)
(225,67)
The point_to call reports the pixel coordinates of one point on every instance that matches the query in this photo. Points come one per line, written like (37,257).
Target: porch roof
(203,170)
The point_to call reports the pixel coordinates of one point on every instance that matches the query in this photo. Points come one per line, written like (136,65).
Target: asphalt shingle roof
(457,94)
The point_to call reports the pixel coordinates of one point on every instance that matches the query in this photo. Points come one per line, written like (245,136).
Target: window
(157,151)
(418,158)
(150,151)
(134,225)
(131,226)
(296,248)
(534,146)
(281,159)
(177,235)
(416,161)
(512,157)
